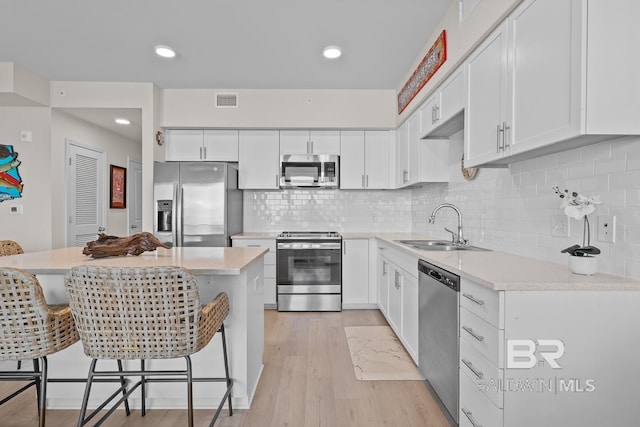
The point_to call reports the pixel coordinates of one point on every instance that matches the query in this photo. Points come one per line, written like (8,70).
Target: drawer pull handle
(477,373)
(254,246)
(472,420)
(471,297)
(473,334)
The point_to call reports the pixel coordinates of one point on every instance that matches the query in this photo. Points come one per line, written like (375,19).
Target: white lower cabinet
(398,295)
(383,284)
(269,266)
(410,307)
(355,272)
(548,358)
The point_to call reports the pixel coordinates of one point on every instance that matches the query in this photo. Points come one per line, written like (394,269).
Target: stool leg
(143,389)
(38,379)
(226,366)
(87,390)
(42,394)
(189,391)
(124,391)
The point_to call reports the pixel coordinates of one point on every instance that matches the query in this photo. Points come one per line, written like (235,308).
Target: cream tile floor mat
(377,354)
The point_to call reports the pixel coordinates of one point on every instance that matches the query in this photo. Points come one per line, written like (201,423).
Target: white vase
(587,265)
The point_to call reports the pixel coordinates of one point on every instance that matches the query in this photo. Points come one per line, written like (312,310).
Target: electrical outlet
(559,226)
(607,228)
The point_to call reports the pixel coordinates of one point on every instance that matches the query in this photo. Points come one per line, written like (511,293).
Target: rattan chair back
(29,327)
(9,247)
(139,313)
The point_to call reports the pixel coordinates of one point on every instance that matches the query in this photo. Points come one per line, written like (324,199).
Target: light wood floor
(308,380)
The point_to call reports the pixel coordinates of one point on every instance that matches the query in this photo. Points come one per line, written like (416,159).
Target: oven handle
(298,246)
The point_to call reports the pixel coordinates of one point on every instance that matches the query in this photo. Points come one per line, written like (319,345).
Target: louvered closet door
(85,194)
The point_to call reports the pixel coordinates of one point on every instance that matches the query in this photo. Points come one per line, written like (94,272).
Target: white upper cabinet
(441,115)
(419,160)
(402,155)
(364,159)
(552,77)
(486,99)
(201,145)
(309,142)
(259,163)
(221,145)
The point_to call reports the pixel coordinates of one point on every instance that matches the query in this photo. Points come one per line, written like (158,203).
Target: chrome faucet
(457,238)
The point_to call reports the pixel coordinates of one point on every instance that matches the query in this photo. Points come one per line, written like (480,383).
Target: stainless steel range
(309,271)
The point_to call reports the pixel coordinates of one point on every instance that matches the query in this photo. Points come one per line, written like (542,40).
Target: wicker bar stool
(144,314)
(9,247)
(30,330)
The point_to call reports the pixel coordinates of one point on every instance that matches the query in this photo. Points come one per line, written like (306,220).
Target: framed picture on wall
(118,187)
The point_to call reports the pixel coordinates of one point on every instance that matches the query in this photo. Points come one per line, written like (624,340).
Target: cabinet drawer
(255,243)
(483,372)
(485,338)
(481,301)
(476,406)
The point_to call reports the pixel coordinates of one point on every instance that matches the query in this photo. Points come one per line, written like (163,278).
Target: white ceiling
(227,44)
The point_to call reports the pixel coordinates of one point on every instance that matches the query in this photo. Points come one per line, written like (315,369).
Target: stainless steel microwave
(309,170)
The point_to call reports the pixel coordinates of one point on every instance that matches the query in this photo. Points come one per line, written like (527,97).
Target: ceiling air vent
(226,100)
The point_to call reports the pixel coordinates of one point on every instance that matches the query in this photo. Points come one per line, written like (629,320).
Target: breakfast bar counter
(236,271)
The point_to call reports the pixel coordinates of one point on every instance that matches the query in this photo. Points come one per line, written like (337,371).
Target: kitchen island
(236,271)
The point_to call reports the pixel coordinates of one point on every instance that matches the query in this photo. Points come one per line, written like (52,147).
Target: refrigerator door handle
(174,217)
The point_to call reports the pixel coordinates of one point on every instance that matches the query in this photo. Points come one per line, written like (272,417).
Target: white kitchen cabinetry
(506,371)
(355,273)
(364,159)
(215,145)
(309,142)
(419,160)
(383,279)
(541,82)
(402,155)
(269,266)
(398,295)
(259,162)
(442,114)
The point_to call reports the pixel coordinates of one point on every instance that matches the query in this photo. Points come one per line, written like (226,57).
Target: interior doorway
(134,190)
(85,185)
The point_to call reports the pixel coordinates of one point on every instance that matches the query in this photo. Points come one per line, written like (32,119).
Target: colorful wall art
(10,181)
(425,70)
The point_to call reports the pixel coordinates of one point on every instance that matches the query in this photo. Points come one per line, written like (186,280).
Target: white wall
(510,209)
(117,149)
(338,109)
(32,229)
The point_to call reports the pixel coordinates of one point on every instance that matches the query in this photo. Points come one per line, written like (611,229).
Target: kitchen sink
(438,245)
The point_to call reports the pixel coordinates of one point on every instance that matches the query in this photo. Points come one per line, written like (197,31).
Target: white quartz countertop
(223,261)
(501,271)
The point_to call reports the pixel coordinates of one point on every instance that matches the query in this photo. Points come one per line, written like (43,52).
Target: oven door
(309,268)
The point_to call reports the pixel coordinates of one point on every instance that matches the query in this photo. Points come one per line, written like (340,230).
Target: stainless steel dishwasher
(438,348)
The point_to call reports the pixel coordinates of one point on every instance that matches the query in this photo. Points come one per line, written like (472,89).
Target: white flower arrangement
(578,206)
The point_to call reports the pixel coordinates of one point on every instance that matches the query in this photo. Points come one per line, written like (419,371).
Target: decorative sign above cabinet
(425,70)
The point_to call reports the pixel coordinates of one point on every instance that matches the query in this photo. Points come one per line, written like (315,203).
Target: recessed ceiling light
(332,52)
(165,51)
(121,121)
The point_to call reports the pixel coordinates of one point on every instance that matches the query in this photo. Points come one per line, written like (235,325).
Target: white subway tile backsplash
(506,209)
(582,170)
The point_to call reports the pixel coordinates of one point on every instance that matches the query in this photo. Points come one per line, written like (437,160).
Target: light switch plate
(559,226)
(607,228)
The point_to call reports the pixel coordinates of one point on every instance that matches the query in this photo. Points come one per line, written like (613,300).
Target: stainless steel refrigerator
(196,203)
